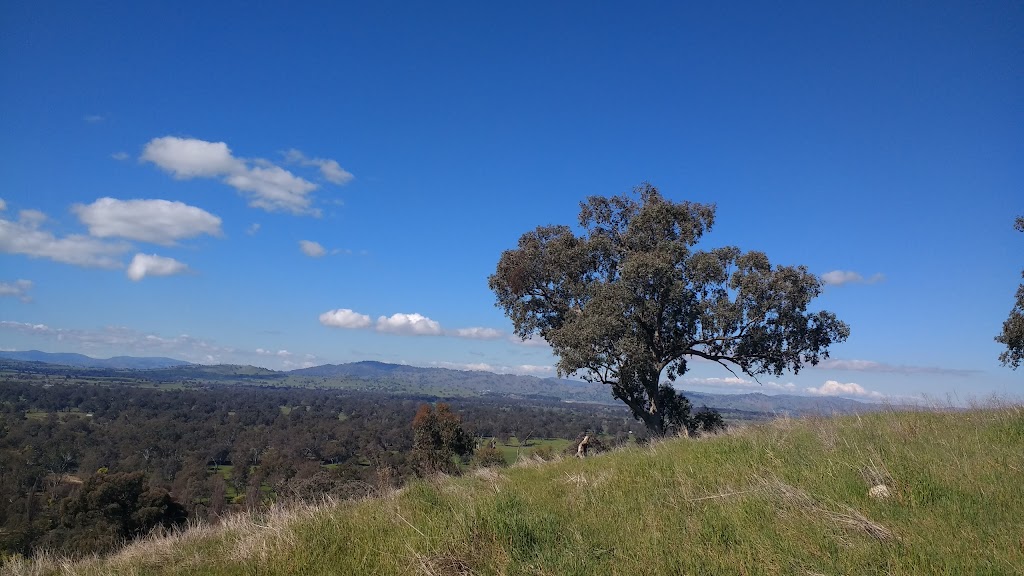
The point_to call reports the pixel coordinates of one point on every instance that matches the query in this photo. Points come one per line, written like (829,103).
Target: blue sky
(282,186)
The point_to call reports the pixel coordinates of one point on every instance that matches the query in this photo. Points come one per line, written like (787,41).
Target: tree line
(202,453)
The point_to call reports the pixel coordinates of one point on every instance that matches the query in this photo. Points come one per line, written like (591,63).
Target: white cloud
(840,277)
(268,187)
(25,236)
(253,228)
(156,221)
(120,156)
(412,324)
(188,158)
(152,265)
(330,169)
(93,118)
(17,289)
(834,388)
(3,205)
(345,318)
(312,249)
(476,333)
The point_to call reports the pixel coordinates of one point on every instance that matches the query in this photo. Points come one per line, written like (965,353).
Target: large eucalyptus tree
(630,301)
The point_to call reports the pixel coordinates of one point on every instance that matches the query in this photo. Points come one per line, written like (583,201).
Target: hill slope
(789,497)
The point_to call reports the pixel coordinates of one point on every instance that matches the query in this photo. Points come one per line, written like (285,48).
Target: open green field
(787,497)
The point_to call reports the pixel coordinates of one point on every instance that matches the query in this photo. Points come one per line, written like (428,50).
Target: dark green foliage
(1013,329)
(706,420)
(630,301)
(109,509)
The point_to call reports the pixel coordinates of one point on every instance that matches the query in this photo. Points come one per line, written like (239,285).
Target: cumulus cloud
(345,318)
(26,236)
(312,249)
(411,324)
(187,158)
(267,186)
(156,221)
(17,289)
(143,265)
(840,277)
(476,333)
(834,388)
(881,367)
(329,169)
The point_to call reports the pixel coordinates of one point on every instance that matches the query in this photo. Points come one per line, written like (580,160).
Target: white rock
(881,491)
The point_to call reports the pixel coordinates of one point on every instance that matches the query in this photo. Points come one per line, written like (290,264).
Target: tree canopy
(1013,329)
(630,301)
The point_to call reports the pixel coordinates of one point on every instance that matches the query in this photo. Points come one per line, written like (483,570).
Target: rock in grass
(881,492)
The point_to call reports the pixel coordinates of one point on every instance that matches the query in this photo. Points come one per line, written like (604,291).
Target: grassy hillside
(789,497)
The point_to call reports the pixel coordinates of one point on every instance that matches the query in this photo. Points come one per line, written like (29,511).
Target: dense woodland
(84,466)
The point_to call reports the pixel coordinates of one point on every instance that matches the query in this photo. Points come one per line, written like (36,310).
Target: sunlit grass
(788,497)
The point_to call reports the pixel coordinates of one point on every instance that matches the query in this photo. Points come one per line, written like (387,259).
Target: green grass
(514,452)
(788,497)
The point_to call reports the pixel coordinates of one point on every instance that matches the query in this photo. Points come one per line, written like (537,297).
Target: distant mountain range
(82,361)
(404,379)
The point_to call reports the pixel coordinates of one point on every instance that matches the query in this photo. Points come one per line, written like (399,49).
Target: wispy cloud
(520,369)
(26,236)
(881,367)
(93,118)
(477,333)
(734,382)
(840,277)
(267,185)
(312,249)
(329,169)
(157,221)
(18,289)
(120,156)
(121,340)
(533,341)
(834,388)
(143,265)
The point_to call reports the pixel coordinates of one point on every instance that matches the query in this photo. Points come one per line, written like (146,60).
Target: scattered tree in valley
(630,301)
(1013,329)
(438,438)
